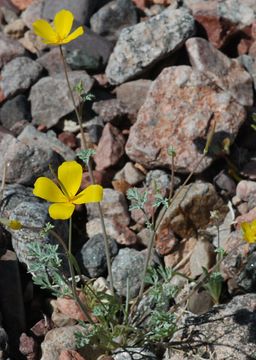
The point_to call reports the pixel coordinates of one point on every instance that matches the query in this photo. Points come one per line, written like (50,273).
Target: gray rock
(113,17)
(19,75)
(47,109)
(94,257)
(127,266)
(82,9)
(111,110)
(130,174)
(228,74)
(15,110)
(113,205)
(80,60)
(52,62)
(247,278)
(24,162)
(172,115)
(133,353)
(141,45)
(225,332)
(9,49)
(250,65)
(32,12)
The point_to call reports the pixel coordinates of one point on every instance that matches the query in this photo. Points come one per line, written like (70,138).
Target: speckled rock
(113,17)
(141,45)
(228,74)
(9,49)
(226,332)
(130,174)
(178,110)
(47,109)
(14,110)
(15,29)
(19,75)
(32,12)
(52,62)
(133,353)
(94,257)
(128,264)
(110,148)
(112,110)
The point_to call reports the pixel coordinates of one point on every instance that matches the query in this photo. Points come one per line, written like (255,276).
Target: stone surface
(141,45)
(132,94)
(246,189)
(111,110)
(52,62)
(202,256)
(21,4)
(32,12)
(130,174)
(47,109)
(94,257)
(110,148)
(178,110)
(133,353)
(70,355)
(128,266)
(226,73)
(9,49)
(28,346)
(225,332)
(14,110)
(110,19)
(19,75)
(16,29)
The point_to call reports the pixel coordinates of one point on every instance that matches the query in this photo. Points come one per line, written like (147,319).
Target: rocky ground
(162,73)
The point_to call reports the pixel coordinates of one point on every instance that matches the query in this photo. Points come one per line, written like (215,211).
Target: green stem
(84,146)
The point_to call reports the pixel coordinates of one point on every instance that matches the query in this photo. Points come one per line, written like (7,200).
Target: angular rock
(202,256)
(19,75)
(178,110)
(14,110)
(128,265)
(113,205)
(130,174)
(111,110)
(228,74)
(94,257)
(16,29)
(226,331)
(32,12)
(113,17)
(249,63)
(133,353)
(110,148)
(9,49)
(141,45)
(21,4)
(52,62)
(47,109)
(28,346)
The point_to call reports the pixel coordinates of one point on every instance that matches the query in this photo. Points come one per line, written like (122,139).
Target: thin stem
(84,146)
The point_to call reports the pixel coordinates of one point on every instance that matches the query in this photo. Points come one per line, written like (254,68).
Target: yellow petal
(48,190)
(43,29)
(63,22)
(70,176)
(78,32)
(61,211)
(92,193)
(249,234)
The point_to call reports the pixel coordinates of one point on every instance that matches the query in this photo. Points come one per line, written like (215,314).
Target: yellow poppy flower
(64,195)
(249,231)
(59,32)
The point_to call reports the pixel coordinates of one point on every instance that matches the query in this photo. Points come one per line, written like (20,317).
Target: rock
(225,332)
(28,347)
(128,266)
(94,257)
(113,205)
(172,114)
(16,29)
(247,278)
(221,70)
(11,302)
(70,355)
(121,233)
(15,110)
(132,94)
(133,353)
(3,340)
(32,42)
(32,12)
(130,174)
(110,148)
(190,211)
(89,51)
(82,9)
(48,109)
(68,139)
(111,110)
(249,170)
(246,189)
(200,302)
(69,307)
(21,4)
(15,153)
(225,183)
(9,49)
(58,318)
(52,62)
(141,45)
(110,19)
(59,339)
(202,256)
(19,75)
(221,234)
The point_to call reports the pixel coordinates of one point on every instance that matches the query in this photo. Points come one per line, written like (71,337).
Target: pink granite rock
(110,148)
(178,111)
(22,4)
(226,73)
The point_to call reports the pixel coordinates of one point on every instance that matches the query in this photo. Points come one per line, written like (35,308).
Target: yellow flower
(12,224)
(249,231)
(59,33)
(64,195)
